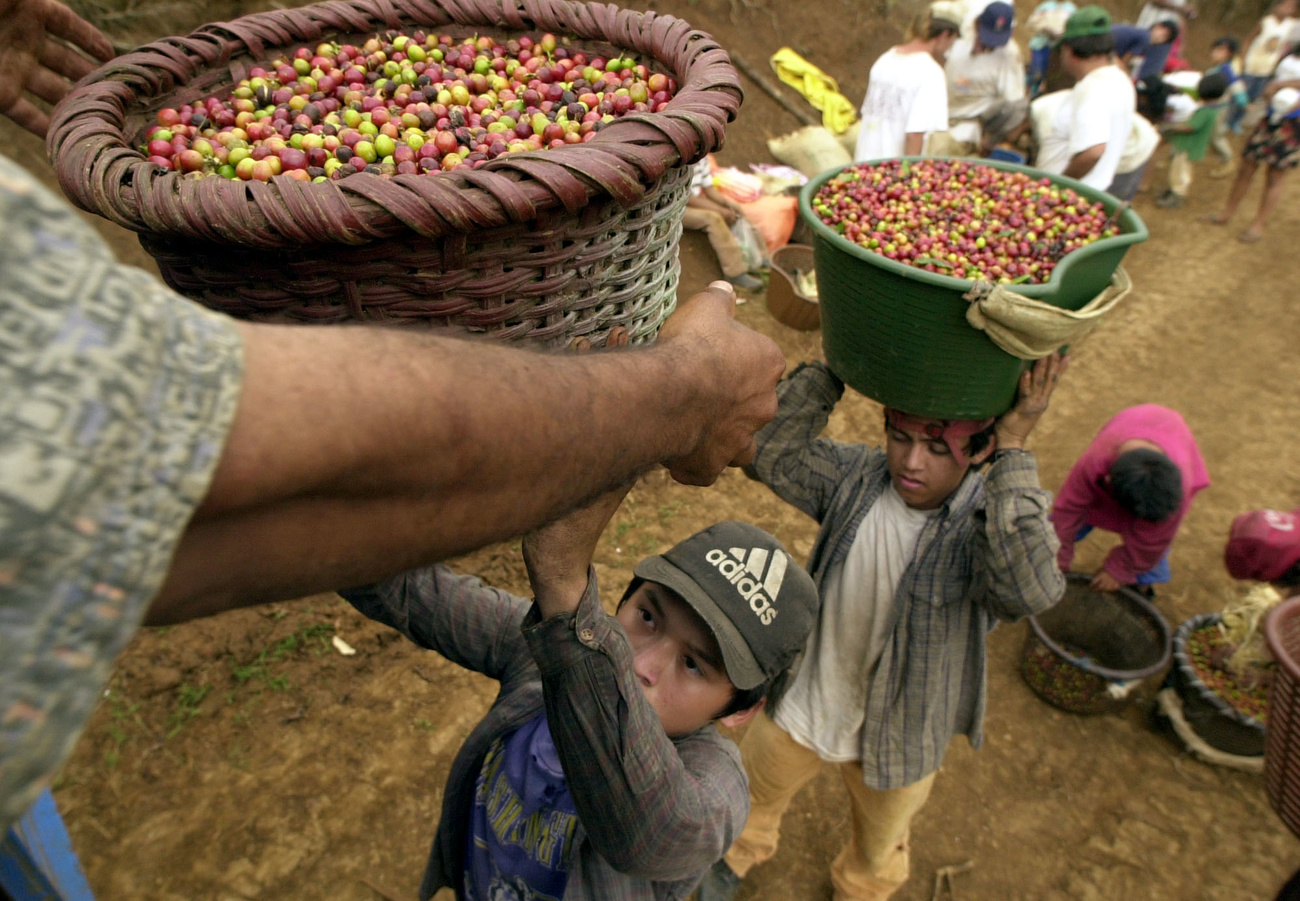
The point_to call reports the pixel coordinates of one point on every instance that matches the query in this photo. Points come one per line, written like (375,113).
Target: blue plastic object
(37,862)
(1006,156)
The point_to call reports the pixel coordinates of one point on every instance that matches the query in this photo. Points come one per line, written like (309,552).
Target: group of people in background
(1095,99)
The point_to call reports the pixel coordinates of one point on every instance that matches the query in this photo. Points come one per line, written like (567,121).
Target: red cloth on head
(952,432)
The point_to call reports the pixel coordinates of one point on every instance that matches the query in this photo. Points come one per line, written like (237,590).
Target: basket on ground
(1092,649)
(784,299)
(1214,720)
(899,334)
(1282,740)
(546,246)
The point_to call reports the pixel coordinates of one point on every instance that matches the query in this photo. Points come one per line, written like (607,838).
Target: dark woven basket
(1075,651)
(1282,739)
(548,246)
(1214,720)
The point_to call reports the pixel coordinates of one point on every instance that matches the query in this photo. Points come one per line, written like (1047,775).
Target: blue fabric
(1156,575)
(1153,61)
(1130,39)
(522,823)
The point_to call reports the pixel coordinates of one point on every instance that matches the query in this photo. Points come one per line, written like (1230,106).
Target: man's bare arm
(1083,161)
(356,453)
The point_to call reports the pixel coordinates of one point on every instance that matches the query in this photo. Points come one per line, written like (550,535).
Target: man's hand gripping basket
(547,246)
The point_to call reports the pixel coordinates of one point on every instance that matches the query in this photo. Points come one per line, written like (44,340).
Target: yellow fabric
(1031,329)
(817,87)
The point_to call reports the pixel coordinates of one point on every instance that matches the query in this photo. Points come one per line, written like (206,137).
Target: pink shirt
(1084,500)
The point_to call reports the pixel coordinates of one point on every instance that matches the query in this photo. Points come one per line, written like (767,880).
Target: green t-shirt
(1196,142)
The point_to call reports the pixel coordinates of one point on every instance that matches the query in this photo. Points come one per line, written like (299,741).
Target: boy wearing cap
(1137,478)
(986,82)
(598,773)
(918,556)
(1264,545)
(1086,136)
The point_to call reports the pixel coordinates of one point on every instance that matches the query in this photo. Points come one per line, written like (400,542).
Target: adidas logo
(745,571)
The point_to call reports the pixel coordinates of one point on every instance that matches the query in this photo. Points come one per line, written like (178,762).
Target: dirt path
(242,757)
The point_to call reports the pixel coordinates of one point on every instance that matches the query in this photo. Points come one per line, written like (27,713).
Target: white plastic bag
(752,246)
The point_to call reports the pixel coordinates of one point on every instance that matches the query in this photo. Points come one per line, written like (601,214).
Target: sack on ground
(812,150)
(774,217)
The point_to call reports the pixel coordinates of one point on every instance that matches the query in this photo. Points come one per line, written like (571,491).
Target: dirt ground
(244,758)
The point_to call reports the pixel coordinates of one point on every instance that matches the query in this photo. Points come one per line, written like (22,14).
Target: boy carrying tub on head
(918,556)
(598,774)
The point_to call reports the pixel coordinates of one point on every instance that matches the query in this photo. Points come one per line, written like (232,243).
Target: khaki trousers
(1180,173)
(721,239)
(874,863)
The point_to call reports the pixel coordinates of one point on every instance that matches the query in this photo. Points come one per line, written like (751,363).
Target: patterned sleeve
(1017,545)
(801,468)
(115,399)
(653,809)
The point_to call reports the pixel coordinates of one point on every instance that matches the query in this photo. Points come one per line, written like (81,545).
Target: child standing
(1275,143)
(1190,139)
(598,774)
(1224,59)
(1047,23)
(918,556)
(1265,45)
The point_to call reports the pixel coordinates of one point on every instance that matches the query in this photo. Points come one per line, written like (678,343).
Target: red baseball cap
(1263,544)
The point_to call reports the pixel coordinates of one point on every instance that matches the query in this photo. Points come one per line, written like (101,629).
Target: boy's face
(1159,34)
(923,469)
(1220,55)
(675,658)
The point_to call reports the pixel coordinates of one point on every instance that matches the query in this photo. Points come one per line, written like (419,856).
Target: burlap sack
(812,150)
(1031,329)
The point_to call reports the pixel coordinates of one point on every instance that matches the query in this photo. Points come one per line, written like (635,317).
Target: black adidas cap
(759,603)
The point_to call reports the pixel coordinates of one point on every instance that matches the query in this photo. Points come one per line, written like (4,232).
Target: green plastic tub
(899,334)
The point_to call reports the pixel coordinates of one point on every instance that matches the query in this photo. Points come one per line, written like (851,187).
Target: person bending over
(1137,478)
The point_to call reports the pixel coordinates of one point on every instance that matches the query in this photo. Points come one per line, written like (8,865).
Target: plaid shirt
(654,813)
(990,554)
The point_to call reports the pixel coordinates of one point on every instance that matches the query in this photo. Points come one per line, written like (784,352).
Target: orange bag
(774,216)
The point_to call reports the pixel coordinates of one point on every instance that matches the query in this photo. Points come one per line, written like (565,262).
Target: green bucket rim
(1132,229)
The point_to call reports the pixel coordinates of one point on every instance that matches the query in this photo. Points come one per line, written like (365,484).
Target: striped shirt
(989,555)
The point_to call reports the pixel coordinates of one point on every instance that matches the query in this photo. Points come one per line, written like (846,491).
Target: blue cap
(994,24)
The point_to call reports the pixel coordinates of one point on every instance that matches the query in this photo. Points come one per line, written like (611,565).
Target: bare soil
(242,757)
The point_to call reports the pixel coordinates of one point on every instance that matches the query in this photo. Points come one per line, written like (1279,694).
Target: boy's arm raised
(650,808)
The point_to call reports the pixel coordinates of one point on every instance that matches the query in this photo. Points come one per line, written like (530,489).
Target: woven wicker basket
(548,246)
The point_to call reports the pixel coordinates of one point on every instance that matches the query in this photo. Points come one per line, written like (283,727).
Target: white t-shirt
(979,81)
(1099,111)
(826,704)
(1267,48)
(1151,14)
(1288,69)
(1142,142)
(1049,116)
(907,93)
(701,177)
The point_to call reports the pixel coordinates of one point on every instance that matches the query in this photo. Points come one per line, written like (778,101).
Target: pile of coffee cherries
(402,104)
(961,218)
